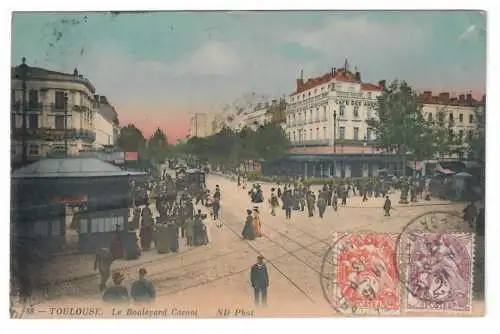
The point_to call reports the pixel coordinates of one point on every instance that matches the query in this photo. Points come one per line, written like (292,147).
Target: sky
(159,68)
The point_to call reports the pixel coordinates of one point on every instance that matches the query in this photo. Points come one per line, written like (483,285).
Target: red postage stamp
(366,280)
(439,272)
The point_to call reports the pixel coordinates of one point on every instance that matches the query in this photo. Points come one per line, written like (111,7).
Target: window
(310,116)
(324,132)
(469,135)
(33,121)
(356,133)
(13,122)
(310,134)
(33,99)
(356,111)
(59,102)
(33,149)
(461,118)
(342,132)
(342,110)
(368,134)
(324,114)
(317,133)
(429,117)
(450,118)
(450,134)
(460,135)
(471,118)
(59,122)
(309,93)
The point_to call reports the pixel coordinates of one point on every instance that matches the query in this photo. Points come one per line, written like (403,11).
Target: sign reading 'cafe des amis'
(355,102)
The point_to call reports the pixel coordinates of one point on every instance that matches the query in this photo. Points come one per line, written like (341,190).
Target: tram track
(271,262)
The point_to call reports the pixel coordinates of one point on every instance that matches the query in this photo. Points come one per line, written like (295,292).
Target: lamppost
(66,124)
(364,144)
(24,77)
(334,131)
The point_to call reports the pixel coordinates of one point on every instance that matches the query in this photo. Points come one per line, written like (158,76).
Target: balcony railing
(51,134)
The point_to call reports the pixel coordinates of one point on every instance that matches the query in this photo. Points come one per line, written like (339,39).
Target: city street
(214,277)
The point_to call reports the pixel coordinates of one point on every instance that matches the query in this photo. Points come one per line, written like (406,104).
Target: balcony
(51,134)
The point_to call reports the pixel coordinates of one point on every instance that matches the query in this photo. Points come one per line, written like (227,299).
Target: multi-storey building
(200,125)
(458,112)
(326,124)
(106,123)
(58,108)
(258,116)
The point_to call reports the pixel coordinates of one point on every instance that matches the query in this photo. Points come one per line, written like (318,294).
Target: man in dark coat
(310,204)
(260,281)
(117,292)
(142,289)
(335,201)
(287,203)
(248,231)
(387,207)
(103,261)
(321,204)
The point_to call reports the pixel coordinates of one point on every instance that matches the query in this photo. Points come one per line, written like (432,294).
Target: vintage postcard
(231,164)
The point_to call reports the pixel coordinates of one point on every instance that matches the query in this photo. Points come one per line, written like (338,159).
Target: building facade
(200,125)
(326,124)
(458,112)
(106,123)
(59,110)
(256,117)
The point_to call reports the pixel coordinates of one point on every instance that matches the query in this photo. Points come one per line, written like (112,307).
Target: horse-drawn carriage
(193,180)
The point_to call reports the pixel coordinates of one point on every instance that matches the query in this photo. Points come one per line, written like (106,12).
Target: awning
(415,165)
(442,170)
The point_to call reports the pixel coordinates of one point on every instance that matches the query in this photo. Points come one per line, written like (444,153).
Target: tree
(444,141)
(131,139)
(477,141)
(399,125)
(158,146)
(271,141)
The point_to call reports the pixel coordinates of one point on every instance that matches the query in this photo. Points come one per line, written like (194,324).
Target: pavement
(213,280)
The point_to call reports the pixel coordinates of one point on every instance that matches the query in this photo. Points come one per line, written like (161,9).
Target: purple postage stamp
(439,272)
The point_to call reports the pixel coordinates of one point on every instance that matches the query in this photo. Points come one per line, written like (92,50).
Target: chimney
(75,72)
(358,76)
(381,83)
(334,71)
(461,97)
(300,83)
(444,97)
(469,97)
(301,74)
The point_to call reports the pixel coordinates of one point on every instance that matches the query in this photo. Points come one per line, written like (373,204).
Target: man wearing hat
(143,289)
(117,292)
(260,281)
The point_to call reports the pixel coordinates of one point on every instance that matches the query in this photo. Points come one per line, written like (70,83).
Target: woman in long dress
(257,225)
(248,231)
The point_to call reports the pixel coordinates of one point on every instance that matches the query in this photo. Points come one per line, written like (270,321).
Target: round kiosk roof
(70,167)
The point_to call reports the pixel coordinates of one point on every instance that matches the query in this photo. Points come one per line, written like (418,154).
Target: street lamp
(66,123)
(334,131)
(364,144)
(24,78)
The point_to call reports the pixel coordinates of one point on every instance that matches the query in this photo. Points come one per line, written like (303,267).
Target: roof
(38,73)
(338,75)
(70,167)
(107,111)
(340,150)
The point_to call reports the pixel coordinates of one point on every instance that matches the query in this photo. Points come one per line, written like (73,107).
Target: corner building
(59,106)
(326,124)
